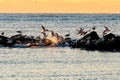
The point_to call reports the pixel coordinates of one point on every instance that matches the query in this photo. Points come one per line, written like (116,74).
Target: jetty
(89,41)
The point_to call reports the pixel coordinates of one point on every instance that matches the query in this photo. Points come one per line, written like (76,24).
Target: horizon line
(54,13)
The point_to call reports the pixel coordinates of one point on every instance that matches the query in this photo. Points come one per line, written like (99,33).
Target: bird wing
(106,27)
(52,33)
(67,34)
(19,31)
(43,28)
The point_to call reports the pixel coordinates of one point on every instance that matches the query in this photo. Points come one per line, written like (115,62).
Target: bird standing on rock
(2,33)
(94,27)
(67,35)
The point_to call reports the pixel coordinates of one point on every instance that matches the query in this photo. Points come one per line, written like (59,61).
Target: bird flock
(90,40)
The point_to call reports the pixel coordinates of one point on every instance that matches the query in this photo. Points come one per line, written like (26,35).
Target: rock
(109,36)
(92,36)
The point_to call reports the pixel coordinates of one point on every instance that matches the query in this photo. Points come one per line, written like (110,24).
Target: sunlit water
(59,63)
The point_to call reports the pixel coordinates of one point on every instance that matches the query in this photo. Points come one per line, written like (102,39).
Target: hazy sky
(59,6)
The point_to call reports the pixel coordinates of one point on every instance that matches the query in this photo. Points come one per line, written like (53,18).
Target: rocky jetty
(90,41)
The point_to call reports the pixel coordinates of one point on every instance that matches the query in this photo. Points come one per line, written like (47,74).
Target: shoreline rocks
(90,41)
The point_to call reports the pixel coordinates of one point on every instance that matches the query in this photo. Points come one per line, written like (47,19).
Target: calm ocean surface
(58,63)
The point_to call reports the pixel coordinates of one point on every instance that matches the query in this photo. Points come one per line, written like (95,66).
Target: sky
(59,6)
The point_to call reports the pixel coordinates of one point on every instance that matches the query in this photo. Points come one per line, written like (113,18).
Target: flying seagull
(106,30)
(43,29)
(19,31)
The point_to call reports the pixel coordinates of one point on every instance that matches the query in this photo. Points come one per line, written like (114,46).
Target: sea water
(58,63)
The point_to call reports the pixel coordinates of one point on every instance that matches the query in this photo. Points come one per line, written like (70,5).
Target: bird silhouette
(106,30)
(52,33)
(81,31)
(67,35)
(94,27)
(2,33)
(43,29)
(19,31)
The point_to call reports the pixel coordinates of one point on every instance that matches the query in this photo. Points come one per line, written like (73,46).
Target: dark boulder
(91,41)
(91,36)
(109,36)
(3,40)
(18,38)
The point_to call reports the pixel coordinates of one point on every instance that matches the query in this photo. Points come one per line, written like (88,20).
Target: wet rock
(92,41)
(91,36)
(3,40)
(109,36)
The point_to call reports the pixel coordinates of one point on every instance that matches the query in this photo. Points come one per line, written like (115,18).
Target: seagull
(43,29)
(2,33)
(94,27)
(52,34)
(67,35)
(81,31)
(19,31)
(106,30)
